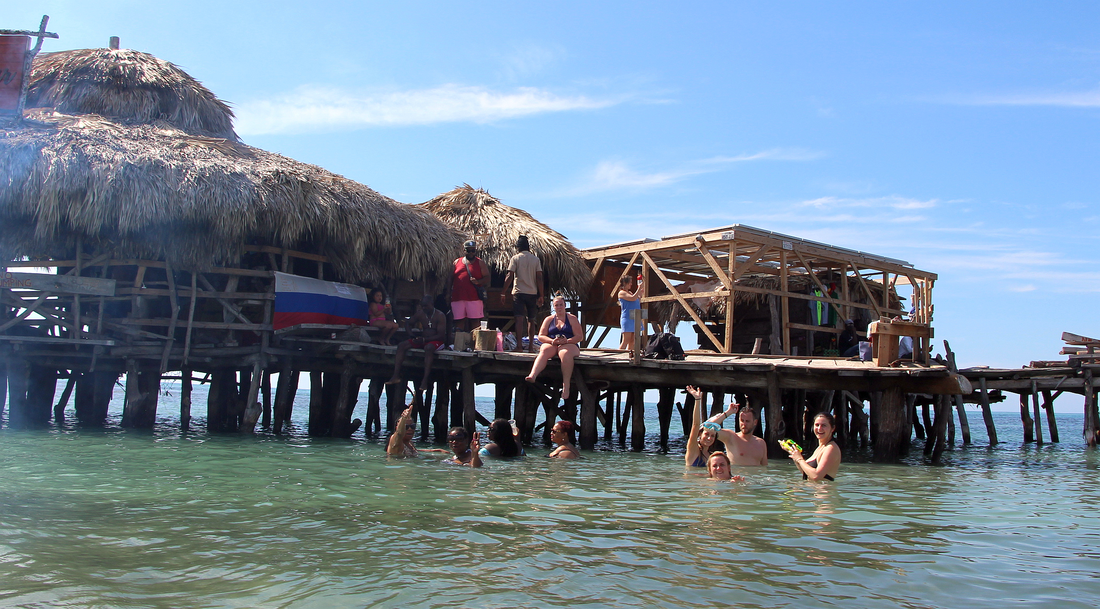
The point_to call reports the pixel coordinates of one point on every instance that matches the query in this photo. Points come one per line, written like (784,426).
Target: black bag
(664,346)
(482,292)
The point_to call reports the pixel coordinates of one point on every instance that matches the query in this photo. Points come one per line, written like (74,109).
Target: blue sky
(963,139)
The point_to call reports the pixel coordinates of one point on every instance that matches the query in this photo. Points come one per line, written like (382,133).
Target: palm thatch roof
(128,86)
(163,188)
(495,226)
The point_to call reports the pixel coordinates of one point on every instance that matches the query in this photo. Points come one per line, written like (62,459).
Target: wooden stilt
(588,417)
(439,419)
(469,407)
(888,440)
(964,424)
(1091,422)
(341,413)
(664,413)
(59,408)
(950,425)
(774,430)
(265,390)
(1038,420)
(316,403)
(3,389)
(609,419)
(943,415)
(456,405)
(425,410)
(859,419)
(987,413)
(185,399)
(502,400)
(840,413)
(252,407)
(1025,417)
(18,373)
(41,387)
(916,419)
(373,424)
(395,403)
(637,418)
(1052,424)
(284,396)
(530,413)
(624,402)
(519,409)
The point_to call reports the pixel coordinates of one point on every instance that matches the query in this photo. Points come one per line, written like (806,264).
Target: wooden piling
(1038,420)
(18,373)
(502,400)
(373,423)
(1052,424)
(588,418)
(1092,424)
(664,412)
(987,413)
(252,408)
(939,427)
(442,403)
(519,409)
(216,399)
(341,413)
(142,392)
(316,403)
(889,424)
(265,390)
(41,387)
(774,430)
(3,389)
(59,408)
(185,399)
(93,396)
(1025,418)
(637,418)
(284,396)
(469,407)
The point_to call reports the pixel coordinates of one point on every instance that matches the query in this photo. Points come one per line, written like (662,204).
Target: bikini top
(813,463)
(555,331)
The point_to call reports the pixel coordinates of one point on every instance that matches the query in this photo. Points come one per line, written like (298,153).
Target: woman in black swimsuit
(559,336)
(825,462)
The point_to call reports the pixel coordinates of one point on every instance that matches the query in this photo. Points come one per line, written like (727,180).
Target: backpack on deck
(664,346)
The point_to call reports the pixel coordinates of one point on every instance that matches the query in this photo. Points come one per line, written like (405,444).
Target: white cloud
(892,202)
(610,175)
(312,108)
(527,59)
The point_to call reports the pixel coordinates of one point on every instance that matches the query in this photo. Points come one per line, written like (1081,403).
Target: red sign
(13,50)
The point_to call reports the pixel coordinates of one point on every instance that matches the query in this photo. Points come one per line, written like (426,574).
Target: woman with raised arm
(401,441)
(503,441)
(701,438)
(824,464)
(563,433)
(560,335)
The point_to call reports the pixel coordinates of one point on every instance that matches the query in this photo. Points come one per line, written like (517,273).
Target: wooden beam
(683,302)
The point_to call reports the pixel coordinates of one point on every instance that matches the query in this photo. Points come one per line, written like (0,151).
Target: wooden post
(774,430)
(316,402)
(442,403)
(341,414)
(637,418)
(132,405)
(609,415)
(775,340)
(252,408)
(889,423)
(963,422)
(841,413)
(1038,419)
(18,373)
(785,302)
(1091,423)
(1025,417)
(987,413)
(59,408)
(588,411)
(265,389)
(664,413)
(284,395)
(373,424)
(519,408)
(1052,424)
(185,399)
(530,413)
(502,400)
(469,407)
(943,415)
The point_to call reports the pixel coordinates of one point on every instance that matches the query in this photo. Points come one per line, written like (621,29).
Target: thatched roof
(495,226)
(161,188)
(130,87)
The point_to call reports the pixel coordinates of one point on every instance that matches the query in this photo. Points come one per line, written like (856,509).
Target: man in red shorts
(433,325)
(469,273)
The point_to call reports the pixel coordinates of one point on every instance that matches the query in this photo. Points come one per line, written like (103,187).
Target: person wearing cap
(524,281)
(469,274)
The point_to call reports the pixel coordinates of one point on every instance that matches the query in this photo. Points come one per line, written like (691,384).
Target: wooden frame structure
(728,254)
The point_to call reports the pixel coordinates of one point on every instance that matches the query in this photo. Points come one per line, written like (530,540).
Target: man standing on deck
(433,324)
(524,281)
(469,274)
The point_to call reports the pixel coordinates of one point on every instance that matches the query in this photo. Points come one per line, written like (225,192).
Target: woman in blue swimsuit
(558,337)
(628,301)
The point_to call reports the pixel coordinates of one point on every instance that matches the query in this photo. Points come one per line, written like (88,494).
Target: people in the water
(824,463)
(563,433)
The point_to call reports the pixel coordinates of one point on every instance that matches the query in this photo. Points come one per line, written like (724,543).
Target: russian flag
(302,300)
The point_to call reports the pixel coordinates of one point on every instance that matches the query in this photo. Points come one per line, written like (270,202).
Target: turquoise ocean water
(117,518)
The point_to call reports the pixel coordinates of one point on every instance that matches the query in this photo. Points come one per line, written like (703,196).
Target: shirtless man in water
(743,448)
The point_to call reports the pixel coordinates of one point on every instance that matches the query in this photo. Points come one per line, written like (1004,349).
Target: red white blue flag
(302,300)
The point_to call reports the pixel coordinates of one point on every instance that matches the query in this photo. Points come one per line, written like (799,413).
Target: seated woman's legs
(546,351)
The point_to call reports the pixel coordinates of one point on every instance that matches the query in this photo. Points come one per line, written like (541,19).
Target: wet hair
(718,453)
(522,244)
(828,417)
(500,433)
(458,431)
(569,429)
